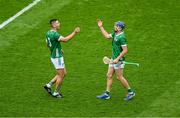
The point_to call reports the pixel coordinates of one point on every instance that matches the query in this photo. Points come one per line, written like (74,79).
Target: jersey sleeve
(57,36)
(60,38)
(123,41)
(112,35)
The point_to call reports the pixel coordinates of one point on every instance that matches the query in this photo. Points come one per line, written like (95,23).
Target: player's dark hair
(52,21)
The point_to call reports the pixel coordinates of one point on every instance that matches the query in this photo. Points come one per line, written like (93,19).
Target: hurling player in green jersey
(53,39)
(119,49)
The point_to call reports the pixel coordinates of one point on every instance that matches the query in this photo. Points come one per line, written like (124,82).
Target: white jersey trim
(61,37)
(110,35)
(124,45)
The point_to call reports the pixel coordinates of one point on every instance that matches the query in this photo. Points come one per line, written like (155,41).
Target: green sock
(107,92)
(130,90)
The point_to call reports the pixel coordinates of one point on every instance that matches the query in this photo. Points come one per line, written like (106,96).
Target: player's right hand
(77,29)
(99,23)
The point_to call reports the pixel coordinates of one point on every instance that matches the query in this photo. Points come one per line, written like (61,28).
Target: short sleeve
(123,41)
(57,36)
(60,37)
(112,35)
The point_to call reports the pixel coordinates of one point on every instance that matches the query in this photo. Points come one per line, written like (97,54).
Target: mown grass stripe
(19,13)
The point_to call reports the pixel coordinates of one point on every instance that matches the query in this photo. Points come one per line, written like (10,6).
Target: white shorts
(119,65)
(58,62)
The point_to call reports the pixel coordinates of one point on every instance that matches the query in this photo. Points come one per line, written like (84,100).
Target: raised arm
(70,36)
(103,31)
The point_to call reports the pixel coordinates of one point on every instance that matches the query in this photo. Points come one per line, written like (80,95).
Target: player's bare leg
(60,78)
(65,72)
(125,84)
(119,74)
(109,78)
(106,95)
(52,81)
(61,73)
(47,87)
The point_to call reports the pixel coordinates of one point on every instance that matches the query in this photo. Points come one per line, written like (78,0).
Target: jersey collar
(119,33)
(53,30)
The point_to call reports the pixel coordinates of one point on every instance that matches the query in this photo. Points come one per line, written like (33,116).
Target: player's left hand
(115,61)
(77,29)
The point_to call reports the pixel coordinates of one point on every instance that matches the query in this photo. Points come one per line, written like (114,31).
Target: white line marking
(19,13)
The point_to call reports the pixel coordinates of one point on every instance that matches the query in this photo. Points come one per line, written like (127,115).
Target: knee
(58,79)
(119,77)
(109,76)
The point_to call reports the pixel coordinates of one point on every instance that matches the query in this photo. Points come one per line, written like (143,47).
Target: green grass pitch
(153,37)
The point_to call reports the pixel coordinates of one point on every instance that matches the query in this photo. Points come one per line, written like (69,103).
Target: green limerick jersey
(54,45)
(118,40)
